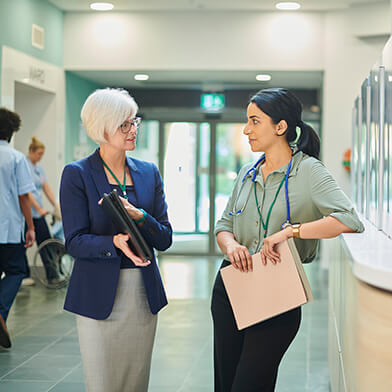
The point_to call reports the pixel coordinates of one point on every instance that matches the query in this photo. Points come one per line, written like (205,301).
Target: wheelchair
(56,254)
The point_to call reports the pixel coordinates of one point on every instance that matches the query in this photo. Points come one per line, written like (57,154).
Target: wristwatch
(296,227)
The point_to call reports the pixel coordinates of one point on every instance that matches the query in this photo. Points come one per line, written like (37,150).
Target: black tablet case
(123,223)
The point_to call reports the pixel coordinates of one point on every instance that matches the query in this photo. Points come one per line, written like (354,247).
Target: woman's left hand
(267,251)
(133,212)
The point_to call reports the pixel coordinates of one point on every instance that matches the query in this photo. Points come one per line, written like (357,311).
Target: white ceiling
(221,5)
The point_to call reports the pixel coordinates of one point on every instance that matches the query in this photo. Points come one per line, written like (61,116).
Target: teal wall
(16,19)
(77,89)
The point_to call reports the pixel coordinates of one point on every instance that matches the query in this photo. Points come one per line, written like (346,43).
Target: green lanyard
(123,186)
(265,225)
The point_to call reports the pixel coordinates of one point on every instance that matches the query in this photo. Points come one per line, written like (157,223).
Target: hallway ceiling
(206,80)
(221,5)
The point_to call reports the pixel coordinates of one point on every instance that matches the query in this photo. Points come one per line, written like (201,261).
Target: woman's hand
(42,212)
(56,211)
(239,257)
(267,251)
(120,242)
(133,212)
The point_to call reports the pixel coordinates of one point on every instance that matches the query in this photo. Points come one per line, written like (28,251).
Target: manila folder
(269,289)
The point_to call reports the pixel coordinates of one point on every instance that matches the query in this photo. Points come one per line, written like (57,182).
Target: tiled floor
(45,354)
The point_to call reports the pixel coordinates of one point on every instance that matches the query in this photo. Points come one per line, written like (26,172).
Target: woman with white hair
(114,293)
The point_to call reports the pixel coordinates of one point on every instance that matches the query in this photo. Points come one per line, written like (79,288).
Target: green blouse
(313,194)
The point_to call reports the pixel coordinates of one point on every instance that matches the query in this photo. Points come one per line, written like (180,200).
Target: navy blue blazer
(89,235)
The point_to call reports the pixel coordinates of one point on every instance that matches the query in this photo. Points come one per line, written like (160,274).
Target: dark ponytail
(282,104)
(308,141)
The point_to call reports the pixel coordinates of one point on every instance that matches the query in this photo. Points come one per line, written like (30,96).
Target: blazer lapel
(137,179)
(103,186)
(98,174)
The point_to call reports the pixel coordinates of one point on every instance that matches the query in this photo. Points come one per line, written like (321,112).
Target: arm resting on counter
(328,227)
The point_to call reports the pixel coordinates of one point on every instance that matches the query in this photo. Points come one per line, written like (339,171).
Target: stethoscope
(254,169)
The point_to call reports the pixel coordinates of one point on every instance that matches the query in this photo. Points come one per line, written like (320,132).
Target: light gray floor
(45,354)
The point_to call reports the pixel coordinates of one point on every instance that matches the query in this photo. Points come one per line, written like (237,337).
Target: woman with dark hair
(257,217)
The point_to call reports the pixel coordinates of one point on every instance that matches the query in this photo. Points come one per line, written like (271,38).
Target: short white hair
(105,110)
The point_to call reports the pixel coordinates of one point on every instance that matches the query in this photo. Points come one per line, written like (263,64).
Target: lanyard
(284,180)
(265,225)
(123,186)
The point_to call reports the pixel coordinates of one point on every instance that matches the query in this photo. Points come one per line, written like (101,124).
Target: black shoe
(5,340)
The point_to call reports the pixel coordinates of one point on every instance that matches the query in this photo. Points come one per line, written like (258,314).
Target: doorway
(37,111)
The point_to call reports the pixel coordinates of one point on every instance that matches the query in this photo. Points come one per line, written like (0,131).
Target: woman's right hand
(120,242)
(239,257)
(42,212)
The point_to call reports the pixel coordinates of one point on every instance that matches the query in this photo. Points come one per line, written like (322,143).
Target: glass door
(147,142)
(186,149)
(232,152)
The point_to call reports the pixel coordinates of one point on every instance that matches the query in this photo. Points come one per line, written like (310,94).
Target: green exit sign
(212,102)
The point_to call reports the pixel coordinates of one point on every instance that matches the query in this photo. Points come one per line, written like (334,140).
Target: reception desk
(360,311)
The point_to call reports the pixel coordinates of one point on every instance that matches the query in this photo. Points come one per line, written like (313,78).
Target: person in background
(115,294)
(258,216)
(42,232)
(15,185)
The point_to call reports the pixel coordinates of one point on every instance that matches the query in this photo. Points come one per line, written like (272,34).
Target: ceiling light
(288,6)
(263,77)
(101,6)
(141,77)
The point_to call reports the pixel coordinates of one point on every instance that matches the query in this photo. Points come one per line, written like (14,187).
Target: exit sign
(212,102)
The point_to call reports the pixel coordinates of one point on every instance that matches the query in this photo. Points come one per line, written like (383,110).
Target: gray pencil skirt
(116,352)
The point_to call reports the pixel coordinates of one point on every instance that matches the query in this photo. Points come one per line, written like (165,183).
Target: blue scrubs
(15,180)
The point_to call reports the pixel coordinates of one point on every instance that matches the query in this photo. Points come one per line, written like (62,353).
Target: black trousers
(248,360)
(13,263)
(42,233)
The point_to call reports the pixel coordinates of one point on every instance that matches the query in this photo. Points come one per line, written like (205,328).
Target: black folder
(123,223)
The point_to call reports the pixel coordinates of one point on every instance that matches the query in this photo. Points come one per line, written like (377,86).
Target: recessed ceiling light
(263,77)
(101,6)
(141,77)
(288,6)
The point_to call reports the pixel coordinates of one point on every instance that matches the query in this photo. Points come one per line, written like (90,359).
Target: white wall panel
(347,63)
(194,40)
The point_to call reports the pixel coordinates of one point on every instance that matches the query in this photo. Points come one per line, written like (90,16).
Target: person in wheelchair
(36,152)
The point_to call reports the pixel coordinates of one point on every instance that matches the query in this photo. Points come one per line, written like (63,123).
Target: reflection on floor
(45,354)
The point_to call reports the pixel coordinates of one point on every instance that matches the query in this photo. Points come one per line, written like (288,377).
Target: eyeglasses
(126,126)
